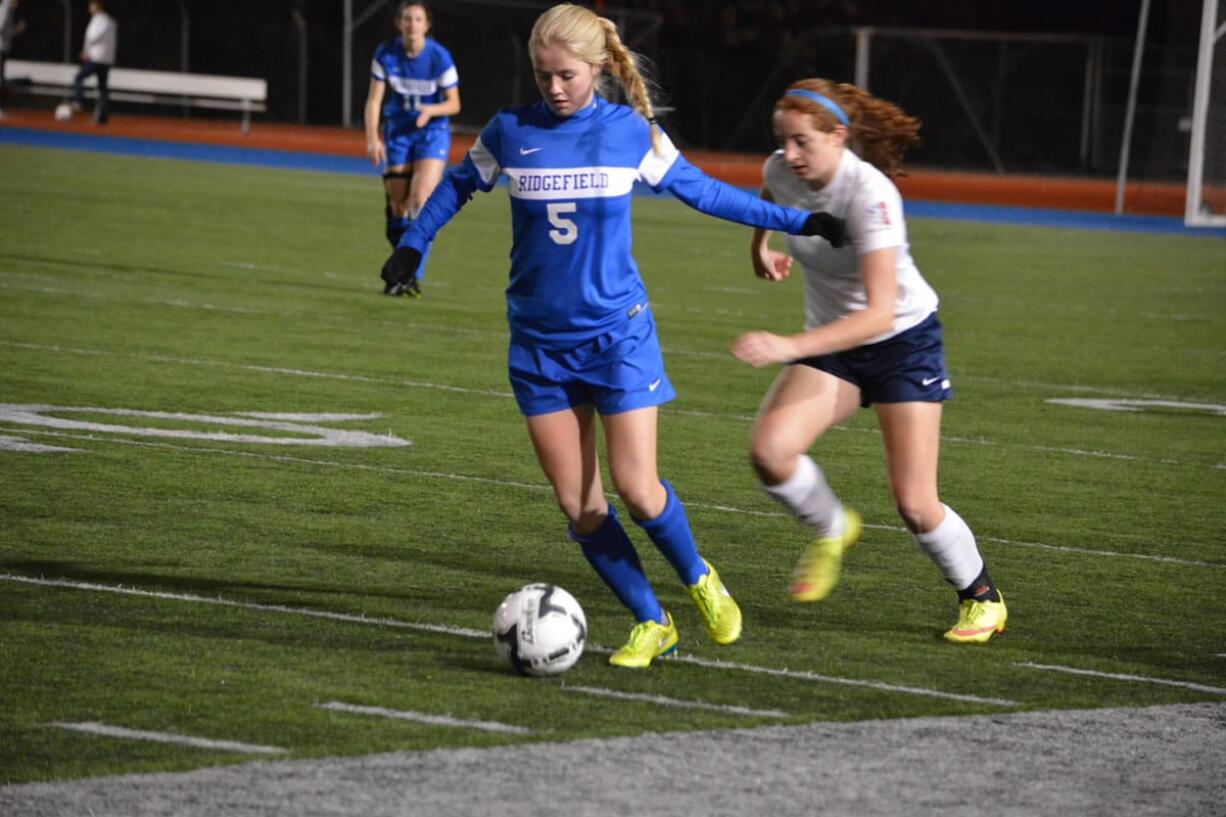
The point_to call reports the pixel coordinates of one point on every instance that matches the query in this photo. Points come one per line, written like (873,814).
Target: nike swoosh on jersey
(526,151)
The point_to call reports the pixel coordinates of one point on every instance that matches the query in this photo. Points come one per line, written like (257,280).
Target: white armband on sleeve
(655,164)
(487,166)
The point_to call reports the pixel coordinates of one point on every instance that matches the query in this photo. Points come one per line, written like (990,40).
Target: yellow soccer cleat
(719,611)
(978,621)
(648,640)
(817,572)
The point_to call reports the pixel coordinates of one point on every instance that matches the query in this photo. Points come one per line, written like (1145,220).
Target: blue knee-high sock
(395,228)
(425,253)
(425,256)
(672,535)
(613,557)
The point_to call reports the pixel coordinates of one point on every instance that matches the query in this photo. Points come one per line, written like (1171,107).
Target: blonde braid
(624,66)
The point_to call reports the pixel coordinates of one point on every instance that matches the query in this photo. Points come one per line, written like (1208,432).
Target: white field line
(358,466)
(1109,391)
(805,675)
(676,702)
(248,605)
(419,384)
(109,731)
(222,364)
(308,319)
(479,634)
(326,320)
(544,488)
(1116,676)
(422,717)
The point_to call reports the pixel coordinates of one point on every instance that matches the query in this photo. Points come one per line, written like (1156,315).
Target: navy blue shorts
(907,368)
(407,148)
(618,371)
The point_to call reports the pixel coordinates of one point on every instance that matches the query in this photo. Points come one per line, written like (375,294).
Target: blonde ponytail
(596,41)
(624,66)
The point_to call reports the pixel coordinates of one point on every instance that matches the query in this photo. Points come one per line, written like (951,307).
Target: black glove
(400,269)
(828,227)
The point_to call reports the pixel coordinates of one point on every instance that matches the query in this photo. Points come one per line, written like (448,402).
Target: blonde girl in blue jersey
(583,341)
(414,89)
(871,337)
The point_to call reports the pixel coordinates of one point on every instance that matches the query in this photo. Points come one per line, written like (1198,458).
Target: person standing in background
(414,88)
(97,57)
(10,27)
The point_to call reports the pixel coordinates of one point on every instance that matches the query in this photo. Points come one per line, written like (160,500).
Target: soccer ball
(63,112)
(540,630)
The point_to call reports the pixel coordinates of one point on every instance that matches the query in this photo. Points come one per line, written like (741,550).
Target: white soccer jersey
(872,207)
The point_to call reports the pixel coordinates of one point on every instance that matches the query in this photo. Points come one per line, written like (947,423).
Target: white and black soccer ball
(540,630)
(63,112)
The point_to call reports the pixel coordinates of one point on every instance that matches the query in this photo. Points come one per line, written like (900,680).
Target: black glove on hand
(828,227)
(400,268)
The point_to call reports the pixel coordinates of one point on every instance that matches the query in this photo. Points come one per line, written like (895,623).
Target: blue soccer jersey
(570,181)
(413,82)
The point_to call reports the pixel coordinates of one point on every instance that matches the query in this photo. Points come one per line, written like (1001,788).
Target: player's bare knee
(770,462)
(644,499)
(918,513)
(582,520)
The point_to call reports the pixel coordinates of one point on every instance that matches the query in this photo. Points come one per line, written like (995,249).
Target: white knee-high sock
(951,546)
(810,499)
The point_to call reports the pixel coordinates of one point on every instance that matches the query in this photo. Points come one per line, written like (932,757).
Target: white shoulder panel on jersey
(449,78)
(376,70)
(547,183)
(655,165)
(485,162)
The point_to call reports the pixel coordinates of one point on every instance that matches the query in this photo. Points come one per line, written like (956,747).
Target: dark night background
(1019,106)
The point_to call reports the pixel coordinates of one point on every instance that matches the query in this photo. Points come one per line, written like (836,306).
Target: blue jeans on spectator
(101,70)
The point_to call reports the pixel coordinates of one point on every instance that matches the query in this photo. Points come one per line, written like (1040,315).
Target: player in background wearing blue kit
(583,338)
(414,88)
(871,337)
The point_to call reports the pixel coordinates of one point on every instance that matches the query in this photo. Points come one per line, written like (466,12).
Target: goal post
(1206,198)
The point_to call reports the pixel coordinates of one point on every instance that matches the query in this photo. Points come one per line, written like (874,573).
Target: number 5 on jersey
(567,231)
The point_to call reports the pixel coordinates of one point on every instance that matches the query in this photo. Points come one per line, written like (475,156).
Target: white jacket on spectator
(101,39)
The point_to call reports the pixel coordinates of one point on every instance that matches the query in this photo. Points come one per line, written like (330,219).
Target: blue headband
(825,101)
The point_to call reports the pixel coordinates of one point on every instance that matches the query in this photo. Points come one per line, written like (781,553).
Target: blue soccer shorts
(404,148)
(907,368)
(618,371)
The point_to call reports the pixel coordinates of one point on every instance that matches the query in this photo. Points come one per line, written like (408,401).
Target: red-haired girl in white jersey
(871,337)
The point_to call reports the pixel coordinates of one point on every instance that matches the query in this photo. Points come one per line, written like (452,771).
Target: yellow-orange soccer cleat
(978,621)
(719,611)
(648,640)
(817,572)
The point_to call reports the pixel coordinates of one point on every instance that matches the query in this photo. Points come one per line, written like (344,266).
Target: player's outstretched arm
(715,198)
(451,194)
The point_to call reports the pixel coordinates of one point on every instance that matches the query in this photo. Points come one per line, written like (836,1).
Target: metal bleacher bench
(245,94)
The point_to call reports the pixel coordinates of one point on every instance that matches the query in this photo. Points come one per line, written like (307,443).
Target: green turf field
(164,569)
